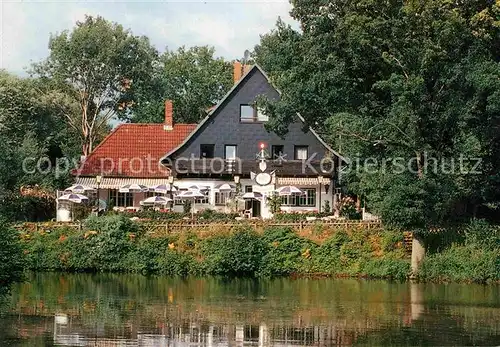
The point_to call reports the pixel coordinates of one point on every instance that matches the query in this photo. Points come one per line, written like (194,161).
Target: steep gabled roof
(135,145)
(213,111)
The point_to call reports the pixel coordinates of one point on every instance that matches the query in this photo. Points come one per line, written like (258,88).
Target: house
(230,145)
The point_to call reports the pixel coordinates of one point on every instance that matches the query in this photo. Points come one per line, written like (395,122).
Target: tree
(99,64)
(415,80)
(193,78)
(11,257)
(30,129)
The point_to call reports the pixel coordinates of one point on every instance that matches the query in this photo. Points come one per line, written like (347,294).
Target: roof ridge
(155,124)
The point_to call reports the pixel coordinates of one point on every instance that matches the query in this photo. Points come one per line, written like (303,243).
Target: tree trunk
(420,165)
(86,146)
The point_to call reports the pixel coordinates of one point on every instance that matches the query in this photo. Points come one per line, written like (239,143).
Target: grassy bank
(116,244)
(471,255)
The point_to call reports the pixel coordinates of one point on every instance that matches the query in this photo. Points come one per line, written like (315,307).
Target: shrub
(479,233)
(294,217)
(274,202)
(397,269)
(327,256)
(11,256)
(462,264)
(112,242)
(237,254)
(15,207)
(287,252)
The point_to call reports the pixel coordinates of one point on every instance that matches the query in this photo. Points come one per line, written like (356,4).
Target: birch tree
(98,64)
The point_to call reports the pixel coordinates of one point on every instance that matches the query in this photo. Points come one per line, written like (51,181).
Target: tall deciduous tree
(99,64)
(30,128)
(389,79)
(193,78)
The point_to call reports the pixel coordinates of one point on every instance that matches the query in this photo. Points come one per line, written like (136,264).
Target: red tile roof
(134,150)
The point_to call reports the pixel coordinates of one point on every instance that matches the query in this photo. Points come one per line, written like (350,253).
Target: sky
(229,26)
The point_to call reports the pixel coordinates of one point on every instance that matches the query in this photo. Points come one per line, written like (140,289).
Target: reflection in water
(127,310)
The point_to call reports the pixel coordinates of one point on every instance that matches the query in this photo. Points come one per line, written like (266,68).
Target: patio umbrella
(79,189)
(225,187)
(289,190)
(252,196)
(155,200)
(163,188)
(197,187)
(133,188)
(74,198)
(191,195)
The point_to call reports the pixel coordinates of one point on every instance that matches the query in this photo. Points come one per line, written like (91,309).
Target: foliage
(30,131)
(186,206)
(81,211)
(293,217)
(274,203)
(287,252)
(115,244)
(462,264)
(193,78)
(212,215)
(481,235)
(238,254)
(326,207)
(348,209)
(11,256)
(405,84)
(16,207)
(473,256)
(98,65)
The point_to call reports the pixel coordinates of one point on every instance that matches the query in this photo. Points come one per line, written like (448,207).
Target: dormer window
(252,114)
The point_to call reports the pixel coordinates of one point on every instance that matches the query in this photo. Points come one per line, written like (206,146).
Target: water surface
(132,310)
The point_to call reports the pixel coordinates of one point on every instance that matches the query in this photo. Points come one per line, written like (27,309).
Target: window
(301,153)
(246,114)
(289,200)
(277,151)
(251,114)
(203,200)
(179,201)
(221,198)
(207,151)
(230,152)
(307,200)
(120,199)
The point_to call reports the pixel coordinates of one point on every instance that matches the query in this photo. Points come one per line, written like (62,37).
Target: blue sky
(229,26)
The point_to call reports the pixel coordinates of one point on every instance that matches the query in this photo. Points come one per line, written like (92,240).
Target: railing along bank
(173,226)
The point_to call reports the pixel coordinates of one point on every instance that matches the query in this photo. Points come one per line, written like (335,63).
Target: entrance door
(255,208)
(248,203)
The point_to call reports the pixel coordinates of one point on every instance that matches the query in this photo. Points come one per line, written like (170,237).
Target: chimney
(246,68)
(169,116)
(237,71)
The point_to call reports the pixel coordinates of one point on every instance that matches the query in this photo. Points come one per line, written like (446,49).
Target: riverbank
(116,244)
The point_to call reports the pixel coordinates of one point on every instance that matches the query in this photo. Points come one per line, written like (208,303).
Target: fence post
(166,227)
(79,225)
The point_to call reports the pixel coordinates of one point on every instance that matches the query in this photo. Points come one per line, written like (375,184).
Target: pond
(132,310)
